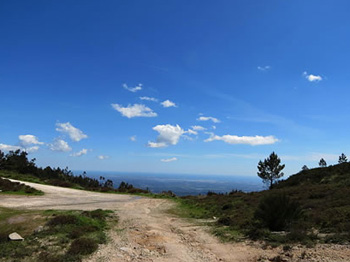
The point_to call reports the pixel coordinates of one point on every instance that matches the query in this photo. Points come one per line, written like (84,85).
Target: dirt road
(147,232)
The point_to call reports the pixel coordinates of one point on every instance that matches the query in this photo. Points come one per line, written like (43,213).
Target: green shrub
(63,220)
(82,246)
(226,221)
(277,212)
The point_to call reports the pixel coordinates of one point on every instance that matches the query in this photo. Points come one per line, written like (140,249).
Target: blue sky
(198,87)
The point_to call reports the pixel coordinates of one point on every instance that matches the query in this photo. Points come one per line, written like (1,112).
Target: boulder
(15,237)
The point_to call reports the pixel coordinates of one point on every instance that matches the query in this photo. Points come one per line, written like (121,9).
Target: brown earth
(147,232)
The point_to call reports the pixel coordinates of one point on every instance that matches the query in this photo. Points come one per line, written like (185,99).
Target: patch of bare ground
(147,232)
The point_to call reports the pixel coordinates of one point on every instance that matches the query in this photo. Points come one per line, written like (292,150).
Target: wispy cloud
(264,68)
(136,110)
(80,153)
(191,132)
(146,98)
(133,138)
(74,133)
(208,118)
(4,147)
(133,89)
(198,128)
(168,135)
(249,113)
(102,157)
(168,103)
(167,160)
(246,140)
(312,78)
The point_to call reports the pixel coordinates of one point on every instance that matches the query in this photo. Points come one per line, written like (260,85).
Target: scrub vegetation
(16,165)
(9,187)
(52,235)
(310,207)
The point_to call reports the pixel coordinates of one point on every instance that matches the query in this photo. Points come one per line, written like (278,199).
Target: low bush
(277,212)
(63,220)
(8,186)
(82,246)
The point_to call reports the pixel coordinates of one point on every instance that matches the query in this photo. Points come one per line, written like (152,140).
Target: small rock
(126,249)
(15,237)
(38,229)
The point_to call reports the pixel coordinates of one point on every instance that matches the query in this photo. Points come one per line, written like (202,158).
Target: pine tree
(322,163)
(342,159)
(270,169)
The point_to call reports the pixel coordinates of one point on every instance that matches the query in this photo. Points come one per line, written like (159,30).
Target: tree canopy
(342,159)
(322,163)
(270,169)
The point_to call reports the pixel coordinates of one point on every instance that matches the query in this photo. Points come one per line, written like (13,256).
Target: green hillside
(313,205)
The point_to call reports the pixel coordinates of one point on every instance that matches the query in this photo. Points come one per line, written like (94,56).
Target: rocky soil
(146,231)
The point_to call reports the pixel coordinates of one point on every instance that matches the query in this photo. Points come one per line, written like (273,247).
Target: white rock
(15,237)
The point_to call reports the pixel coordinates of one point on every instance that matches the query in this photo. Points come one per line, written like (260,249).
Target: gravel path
(147,232)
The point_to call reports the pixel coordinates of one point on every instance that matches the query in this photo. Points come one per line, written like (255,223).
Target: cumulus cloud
(4,147)
(198,128)
(80,153)
(168,103)
(312,78)
(133,138)
(26,140)
(168,135)
(133,89)
(146,98)
(60,145)
(136,110)
(247,140)
(102,157)
(208,118)
(264,68)
(74,133)
(167,160)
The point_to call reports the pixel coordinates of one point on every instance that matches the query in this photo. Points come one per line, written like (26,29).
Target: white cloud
(247,140)
(74,133)
(102,157)
(80,153)
(136,110)
(168,103)
(133,89)
(31,149)
(312,78)
(168,135)
(26,140)
(60,145)
(156,144)
(4,147)
(146,98)
(198,128)
(208,118)
(264,68)
(133,138)
(167,160)
(191,132)
(325,156)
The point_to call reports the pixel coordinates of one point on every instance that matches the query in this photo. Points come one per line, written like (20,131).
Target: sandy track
(147,232)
